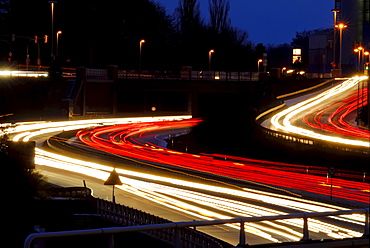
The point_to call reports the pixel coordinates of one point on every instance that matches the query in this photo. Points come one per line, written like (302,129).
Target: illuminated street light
(335,12)
(58,33)
(52,3)
(209,58)
(341,26)
(258,65)
(141,44)
(360,57)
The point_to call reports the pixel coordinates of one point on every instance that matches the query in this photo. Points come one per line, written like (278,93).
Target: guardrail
(178,226)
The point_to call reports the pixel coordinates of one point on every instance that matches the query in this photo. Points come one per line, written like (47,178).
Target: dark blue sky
(272,21)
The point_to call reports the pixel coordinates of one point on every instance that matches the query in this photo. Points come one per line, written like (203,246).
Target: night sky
(272,21)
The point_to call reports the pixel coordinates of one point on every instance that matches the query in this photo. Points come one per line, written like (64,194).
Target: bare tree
(219,15)
(189,16)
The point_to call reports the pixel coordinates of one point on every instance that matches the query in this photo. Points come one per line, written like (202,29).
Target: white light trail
(184,195)
(283,119)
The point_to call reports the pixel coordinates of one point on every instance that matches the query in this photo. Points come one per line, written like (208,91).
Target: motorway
(187,197)
(181,186)
(327,116)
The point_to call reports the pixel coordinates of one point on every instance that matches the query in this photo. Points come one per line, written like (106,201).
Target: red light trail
(130,140)
(333,117)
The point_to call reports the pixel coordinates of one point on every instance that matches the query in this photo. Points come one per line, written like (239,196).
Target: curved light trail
(128,140)
(197,199)
(287,120)
(208,206)
(333,118)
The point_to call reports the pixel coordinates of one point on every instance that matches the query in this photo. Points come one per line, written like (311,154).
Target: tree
(279,55)
(219,15)
(188,16)
(192,43)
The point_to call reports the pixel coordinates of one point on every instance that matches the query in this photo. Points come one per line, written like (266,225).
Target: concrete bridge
(105,92)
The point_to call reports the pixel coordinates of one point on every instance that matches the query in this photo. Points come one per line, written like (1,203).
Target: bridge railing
(191,75)
(178,226)
(128,216)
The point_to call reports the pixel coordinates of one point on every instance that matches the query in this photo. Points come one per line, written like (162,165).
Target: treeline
(96,33)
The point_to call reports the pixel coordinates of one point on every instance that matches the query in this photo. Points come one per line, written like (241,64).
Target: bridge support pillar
(306,235)
(242,239)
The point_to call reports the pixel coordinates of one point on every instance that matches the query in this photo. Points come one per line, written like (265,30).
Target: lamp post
(341,26)
(57,49)
(141,44)
(210,58)
(258,65)
(52,3)
(335,12)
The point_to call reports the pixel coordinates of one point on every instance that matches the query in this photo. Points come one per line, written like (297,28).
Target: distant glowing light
(297,51)
(24,73)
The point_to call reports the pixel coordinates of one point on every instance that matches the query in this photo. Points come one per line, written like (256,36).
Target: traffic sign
(113,179)
(331,171)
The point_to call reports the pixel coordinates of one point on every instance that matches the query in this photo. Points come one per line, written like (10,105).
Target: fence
(178,234)
(191,75)
(127,216)
(96,73)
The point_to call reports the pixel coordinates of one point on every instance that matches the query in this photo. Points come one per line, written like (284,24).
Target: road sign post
(113,180)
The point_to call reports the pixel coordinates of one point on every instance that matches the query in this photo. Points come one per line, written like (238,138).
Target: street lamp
(52,3)
(335,12)
(141,44)
(359,57)
(341,26)
(58,33)
(209,58)
(258,65)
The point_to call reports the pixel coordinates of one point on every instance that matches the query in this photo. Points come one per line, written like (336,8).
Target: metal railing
(178,226)
(96,72)
(191,75)
(127,216)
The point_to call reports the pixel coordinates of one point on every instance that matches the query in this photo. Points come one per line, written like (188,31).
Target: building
(355,14)
(320,53)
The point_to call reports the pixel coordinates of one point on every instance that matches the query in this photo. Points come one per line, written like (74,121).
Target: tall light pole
(258,65)
(341,26)
(360,58)
(57,49)
(52,3)
(210,58)
(334,33)
(141,44)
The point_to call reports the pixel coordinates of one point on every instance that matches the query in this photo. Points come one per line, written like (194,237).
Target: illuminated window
(297,51)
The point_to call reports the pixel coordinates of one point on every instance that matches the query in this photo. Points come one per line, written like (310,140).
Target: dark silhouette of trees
(192,46)
(96,33)
(219,15)
(188,17)
(279,56)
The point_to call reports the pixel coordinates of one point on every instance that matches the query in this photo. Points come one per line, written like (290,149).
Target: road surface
(185,196)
